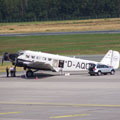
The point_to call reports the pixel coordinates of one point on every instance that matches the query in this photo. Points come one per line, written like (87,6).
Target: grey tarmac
(52,96)
(62,33)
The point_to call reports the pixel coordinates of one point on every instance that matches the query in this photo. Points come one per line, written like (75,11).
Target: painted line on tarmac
(9,113)
(59,104)
(69,116)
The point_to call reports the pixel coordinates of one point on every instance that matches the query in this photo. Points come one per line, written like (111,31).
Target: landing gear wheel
(112,72)
(29,73)
(99,73)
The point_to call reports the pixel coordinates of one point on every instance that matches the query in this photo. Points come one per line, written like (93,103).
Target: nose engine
(9,57)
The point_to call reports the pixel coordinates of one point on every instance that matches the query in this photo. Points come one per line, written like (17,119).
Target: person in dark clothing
(14,72)
(7,71)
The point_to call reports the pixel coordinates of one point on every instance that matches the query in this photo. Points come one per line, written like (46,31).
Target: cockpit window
(21,52)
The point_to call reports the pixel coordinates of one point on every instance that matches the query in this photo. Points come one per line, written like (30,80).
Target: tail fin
(112,58)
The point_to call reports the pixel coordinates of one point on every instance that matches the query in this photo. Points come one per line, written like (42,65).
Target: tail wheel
(112,72)
(99,73)
(29,73)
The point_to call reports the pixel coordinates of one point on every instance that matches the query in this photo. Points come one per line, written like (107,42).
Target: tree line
(33,10)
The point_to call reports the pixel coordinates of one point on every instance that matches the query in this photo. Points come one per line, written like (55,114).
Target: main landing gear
(29,73)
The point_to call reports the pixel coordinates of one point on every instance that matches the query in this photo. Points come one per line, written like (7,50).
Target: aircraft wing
(39,65)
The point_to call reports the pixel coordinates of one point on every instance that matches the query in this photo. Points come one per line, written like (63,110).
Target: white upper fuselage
(40,60)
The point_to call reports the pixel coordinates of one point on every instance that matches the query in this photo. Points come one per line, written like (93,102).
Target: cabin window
(49,59)
(27,56)
(37,57)
(33,57)
(44,58)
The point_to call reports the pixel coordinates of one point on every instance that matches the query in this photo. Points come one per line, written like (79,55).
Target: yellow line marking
(10,113)
(60,104)
(66,116)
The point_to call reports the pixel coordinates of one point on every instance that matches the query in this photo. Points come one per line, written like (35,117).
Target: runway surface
(62,33)
(52,96)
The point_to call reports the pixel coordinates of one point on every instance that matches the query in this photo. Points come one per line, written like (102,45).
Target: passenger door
(61,63)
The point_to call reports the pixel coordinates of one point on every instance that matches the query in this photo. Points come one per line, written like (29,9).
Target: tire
(112,72)
(29,73)
(99,73)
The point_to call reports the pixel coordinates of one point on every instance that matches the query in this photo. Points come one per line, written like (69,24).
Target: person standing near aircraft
(14,72)
(7,71)
(11,71)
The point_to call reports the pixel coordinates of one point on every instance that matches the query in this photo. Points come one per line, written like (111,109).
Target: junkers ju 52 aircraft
(33,60)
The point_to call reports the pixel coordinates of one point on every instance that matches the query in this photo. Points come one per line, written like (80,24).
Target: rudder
(112,58)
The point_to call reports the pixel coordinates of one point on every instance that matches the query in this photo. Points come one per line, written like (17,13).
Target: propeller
(5,57)
(2,60)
